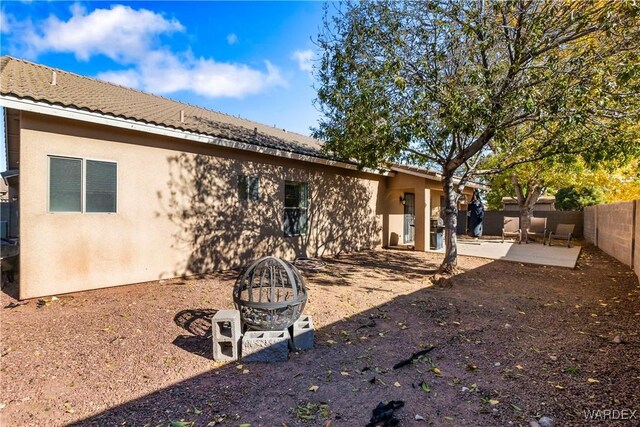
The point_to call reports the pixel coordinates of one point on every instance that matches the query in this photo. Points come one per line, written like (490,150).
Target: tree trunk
(526,212)
(527,201)
(450,223)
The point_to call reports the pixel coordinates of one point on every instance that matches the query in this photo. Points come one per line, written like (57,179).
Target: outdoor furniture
(564,232)
(511,228)
(537,228)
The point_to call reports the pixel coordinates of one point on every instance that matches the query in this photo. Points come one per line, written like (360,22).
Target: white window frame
(83,185)
(247,177)
(306,209)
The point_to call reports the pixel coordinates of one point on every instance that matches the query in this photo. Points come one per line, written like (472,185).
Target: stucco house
(115,186)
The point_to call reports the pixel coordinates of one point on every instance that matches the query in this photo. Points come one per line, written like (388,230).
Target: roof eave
(22,104)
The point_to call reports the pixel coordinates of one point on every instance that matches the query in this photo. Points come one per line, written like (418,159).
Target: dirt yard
(512,343)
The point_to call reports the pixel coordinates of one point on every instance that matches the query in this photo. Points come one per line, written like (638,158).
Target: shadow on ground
(512,342)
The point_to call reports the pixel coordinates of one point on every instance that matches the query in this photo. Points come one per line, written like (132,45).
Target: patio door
(409,218)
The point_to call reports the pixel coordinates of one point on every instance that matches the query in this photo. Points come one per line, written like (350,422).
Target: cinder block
(226,333)
(265,346)
(302,334)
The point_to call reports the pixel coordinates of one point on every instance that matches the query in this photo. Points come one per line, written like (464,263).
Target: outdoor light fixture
(402,200)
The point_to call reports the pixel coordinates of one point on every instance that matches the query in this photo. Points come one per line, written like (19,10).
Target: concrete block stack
(229,343)
(226,334)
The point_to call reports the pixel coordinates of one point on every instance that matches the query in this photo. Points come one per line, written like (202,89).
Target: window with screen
(248,188)
(296,201)
(100,186)
(78,185)
(65,184)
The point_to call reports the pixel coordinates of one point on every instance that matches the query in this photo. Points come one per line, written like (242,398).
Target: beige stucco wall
(394,227)
(178,211)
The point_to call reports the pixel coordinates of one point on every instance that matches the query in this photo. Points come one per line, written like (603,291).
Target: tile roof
(27,80)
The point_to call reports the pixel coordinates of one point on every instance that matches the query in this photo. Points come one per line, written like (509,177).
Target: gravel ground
(512,343)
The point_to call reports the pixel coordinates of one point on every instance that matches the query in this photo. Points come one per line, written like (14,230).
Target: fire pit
(270,294)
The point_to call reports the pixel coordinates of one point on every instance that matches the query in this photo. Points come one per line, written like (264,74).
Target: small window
(296,202)
(77,185)
(65,184)
(248,188)
(101,186)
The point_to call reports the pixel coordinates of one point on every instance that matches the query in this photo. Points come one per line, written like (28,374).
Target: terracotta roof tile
(27,80)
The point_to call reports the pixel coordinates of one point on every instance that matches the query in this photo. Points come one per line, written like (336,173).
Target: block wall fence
(615,228)
(493,220)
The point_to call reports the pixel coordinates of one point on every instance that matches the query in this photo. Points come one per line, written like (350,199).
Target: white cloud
(163,72)
(127,78)
(5,27)
(131,38)
(232,39)
(120,33)
(304,58)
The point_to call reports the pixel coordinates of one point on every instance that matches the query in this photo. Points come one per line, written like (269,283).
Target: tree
(571,199)
(575,182)
(445,84)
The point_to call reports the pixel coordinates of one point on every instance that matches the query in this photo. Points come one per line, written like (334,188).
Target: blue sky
(251,59)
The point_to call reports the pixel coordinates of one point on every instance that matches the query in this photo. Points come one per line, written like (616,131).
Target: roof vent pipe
(181,116)
(53,78)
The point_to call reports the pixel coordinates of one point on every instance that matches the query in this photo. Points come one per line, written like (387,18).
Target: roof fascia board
(436,177)
(90,117)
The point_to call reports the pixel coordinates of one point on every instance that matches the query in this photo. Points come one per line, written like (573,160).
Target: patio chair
(564,232)
(511,228)
(537,228)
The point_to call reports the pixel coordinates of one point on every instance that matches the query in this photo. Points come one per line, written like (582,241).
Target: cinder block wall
(493,220)
(636,252)
(590,223)
(615,228)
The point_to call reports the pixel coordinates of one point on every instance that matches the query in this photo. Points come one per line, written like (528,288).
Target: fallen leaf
(559,387)
(68,409)
(344,373)
(425,387)
(314,388)
(239,367)
(519,367)
(397,384)
(593,380)
(493,402)
(330,342)
(437,371)
(245,371)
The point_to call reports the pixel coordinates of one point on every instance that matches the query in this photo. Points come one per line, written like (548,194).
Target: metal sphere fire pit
(270,294)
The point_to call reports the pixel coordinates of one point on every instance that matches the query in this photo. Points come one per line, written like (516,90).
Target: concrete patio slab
(532,253)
